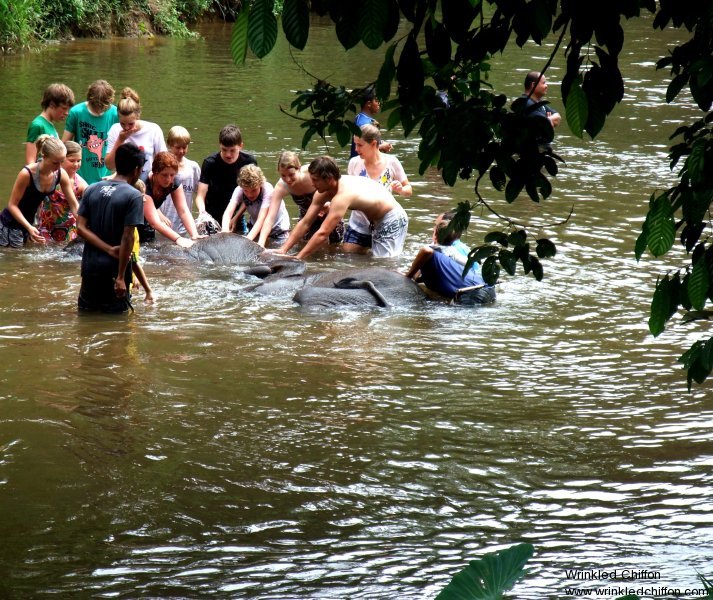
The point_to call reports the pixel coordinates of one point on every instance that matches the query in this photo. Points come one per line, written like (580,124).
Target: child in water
(33,183)
(55,219)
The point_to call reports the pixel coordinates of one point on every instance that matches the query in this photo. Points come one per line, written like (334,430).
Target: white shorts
(389,233)
(359,222)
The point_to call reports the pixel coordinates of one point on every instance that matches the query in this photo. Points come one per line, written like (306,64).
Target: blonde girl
(145,134)
(34,182)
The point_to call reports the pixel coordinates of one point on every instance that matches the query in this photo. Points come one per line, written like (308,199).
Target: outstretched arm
(153,218)
(423,256)
(178,196)
(278,195)
(18,190)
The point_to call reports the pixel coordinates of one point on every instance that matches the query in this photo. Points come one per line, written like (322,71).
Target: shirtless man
(366,199)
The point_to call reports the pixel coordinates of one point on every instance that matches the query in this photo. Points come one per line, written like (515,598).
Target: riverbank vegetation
(29,23)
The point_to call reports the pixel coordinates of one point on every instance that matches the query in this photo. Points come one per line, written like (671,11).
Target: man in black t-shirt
(219,174)
(108,216)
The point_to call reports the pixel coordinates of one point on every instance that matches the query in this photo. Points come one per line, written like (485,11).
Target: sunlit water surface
(224,444)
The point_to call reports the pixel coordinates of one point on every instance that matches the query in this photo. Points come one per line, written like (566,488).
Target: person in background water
(110,212)
(88,124)
(132,128)
(253,195)
(34,182)
(440,265)
(56,102)
(370,106)
(385,169)
(55,218)
(219,174)
(535,91)
(295,181)
(189,173)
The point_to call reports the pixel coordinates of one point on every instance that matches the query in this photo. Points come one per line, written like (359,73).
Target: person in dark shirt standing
(219,174)
(108,216)
(535,91)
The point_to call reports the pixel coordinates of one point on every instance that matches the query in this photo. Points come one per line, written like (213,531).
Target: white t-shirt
(188,175)
(149,138)
(392,172)
(282,220)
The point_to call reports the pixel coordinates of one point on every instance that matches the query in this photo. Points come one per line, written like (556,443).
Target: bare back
(363,194)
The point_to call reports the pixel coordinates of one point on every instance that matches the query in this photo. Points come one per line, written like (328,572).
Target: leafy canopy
(444,53)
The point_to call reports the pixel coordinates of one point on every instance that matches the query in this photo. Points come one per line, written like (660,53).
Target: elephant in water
(365,287)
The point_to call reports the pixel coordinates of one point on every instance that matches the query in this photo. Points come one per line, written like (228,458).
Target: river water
(224,444)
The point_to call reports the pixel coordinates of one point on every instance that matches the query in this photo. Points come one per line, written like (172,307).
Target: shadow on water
(221,443)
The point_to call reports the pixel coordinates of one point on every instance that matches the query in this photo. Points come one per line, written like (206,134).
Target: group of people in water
(114,180)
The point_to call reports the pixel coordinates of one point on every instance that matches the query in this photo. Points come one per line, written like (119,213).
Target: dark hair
(230,136)
(446,238)
(368,94)
(324,167)
(531,79)
(128,156)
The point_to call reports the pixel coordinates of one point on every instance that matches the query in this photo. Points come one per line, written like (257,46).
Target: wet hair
(178,136)
(48,145)
(324,167)
(230,136)
(530,79)
(447,238)
(129,104)
(164,160)
(72,147)
(100,95)
(288,160)
(251,176)
(128,157)
(57,94)
(370,133)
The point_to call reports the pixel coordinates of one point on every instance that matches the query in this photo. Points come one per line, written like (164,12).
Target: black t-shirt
(222,179)
(108,206)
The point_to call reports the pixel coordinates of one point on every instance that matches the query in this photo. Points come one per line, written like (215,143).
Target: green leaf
(698,284)
(262,28)
(513,189)
(488,577)
(577,108)
(664,303)
(641,242)
(696,162)
(373,15)
(518,238)
(660,226)
(497,237)
(387,72)
(676,86)
(545,248)
(295,22)
(490,271)
(507,261)
(239,38)
(536,267)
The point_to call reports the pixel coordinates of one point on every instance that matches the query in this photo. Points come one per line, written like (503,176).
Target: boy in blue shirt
(439,266)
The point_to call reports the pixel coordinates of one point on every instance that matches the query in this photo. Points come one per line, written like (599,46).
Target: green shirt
(40,126)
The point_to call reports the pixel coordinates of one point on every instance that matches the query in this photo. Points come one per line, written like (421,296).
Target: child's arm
(143,280)
(18,190)
(236,216)
(278,195)
(235,201)
(68,191)
(178,196)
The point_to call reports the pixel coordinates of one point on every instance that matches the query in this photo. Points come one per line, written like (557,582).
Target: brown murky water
(228,445)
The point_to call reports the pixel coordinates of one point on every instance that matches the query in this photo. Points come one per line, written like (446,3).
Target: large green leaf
(577,108)
(387,72)
(239,38)
(698,284)
(373,15)
(660,226)
(488,577)
(295,22)
(696,163)
(262,28)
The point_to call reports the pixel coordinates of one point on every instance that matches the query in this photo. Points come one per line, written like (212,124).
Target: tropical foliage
(476,135)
